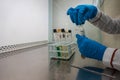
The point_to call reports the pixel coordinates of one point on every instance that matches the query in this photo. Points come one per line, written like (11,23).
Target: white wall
(23,21)
(26,64)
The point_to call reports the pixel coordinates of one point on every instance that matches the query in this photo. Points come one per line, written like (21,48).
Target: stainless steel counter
(61,69)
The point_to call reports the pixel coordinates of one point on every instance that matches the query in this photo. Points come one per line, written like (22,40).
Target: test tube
(59,34)
(55,35)
(66,35)
(70,35)
(64,40)
(63,35)
(80,30)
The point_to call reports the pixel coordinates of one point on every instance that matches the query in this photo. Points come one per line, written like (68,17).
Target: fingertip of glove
(69,10)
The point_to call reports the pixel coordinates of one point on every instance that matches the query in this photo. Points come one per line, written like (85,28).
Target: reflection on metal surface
(61,70)
(92,71)
(86,75)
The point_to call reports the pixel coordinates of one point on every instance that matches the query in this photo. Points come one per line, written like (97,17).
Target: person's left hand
(81,13)
(90,48)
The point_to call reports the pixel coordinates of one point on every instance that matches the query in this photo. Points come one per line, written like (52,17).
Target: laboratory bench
(33,64)
(77,68)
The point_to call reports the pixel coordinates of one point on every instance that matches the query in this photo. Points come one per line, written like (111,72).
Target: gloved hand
(90,48)
(82,13)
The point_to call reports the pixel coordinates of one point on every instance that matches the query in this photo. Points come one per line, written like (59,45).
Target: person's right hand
(81,13)
(90,48)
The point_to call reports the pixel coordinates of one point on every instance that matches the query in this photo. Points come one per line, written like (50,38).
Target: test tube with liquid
(55,35)
(66,35)
(70,35)
(59,35)
(63,35)
(80,30)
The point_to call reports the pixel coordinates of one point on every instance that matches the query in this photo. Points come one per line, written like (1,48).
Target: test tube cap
(54,30)
(58,30)
(62,30)
(69,31)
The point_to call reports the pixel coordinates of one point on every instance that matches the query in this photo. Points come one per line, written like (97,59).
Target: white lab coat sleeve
(106,23)
(111,58)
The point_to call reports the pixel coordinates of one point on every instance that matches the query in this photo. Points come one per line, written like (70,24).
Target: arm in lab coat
(111,57)
(106,23)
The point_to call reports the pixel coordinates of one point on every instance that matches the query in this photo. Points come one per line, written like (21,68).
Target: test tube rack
(62,50)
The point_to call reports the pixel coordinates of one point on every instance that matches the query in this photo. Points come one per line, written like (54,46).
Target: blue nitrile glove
(90,48)
(82,13)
